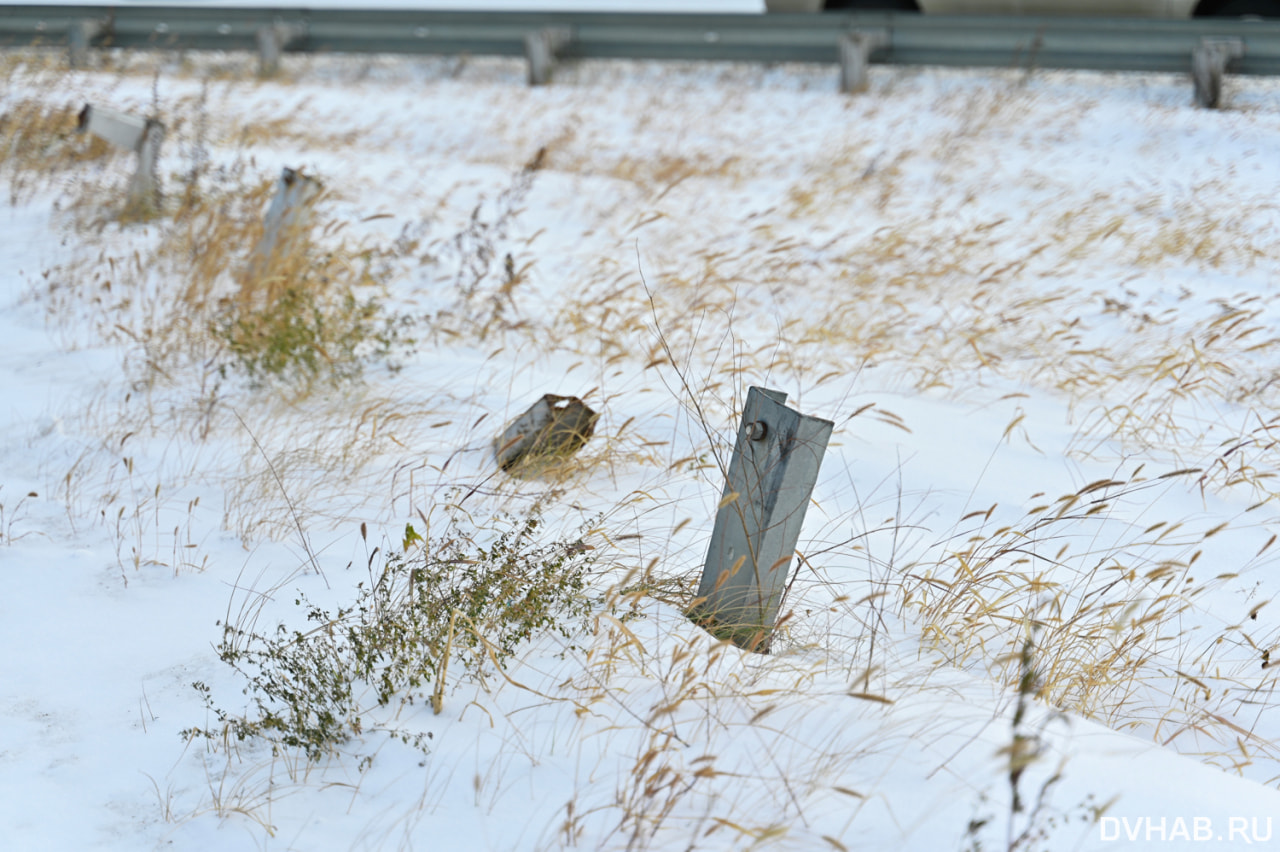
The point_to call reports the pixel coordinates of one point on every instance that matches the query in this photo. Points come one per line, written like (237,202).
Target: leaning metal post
(144,188)
(285,221)
(770,480)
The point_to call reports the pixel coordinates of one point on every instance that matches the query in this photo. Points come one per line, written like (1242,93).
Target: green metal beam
(1102,44)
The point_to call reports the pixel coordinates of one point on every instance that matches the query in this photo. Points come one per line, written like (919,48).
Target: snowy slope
(1002,288)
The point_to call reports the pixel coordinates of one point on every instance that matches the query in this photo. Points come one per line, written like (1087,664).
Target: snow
(997,285)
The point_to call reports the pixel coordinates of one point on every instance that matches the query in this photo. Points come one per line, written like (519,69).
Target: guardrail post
(286,218)
(144,188)
(142,136)
(542,48)
(272,41)
(770,479)
(1209,62)
(81,35)
(855,54)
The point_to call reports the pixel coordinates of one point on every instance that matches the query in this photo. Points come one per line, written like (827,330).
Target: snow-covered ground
(1002,288)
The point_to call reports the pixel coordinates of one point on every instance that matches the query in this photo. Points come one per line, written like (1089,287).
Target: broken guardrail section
(770,480)
(142,136)
(552,429)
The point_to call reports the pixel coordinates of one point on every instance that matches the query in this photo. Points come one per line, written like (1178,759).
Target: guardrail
(909,39)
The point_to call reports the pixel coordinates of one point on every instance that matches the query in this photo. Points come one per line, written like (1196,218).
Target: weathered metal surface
(272,40)
(119,128)
(142,136)
(144,188)
(285,221)
(771,476)
(552,429)
(542,48)
(81,35)
(1208,63)
(855,54)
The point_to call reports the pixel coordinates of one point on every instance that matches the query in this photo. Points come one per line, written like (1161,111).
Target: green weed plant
(316,687)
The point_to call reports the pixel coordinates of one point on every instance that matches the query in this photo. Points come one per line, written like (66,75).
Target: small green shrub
(304,336)
(313,688)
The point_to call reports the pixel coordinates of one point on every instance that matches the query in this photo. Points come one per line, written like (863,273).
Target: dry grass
(39,137)
(39,141)
(1108,603)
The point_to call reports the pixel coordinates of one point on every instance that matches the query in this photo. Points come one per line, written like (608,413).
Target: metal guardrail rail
(912,39)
